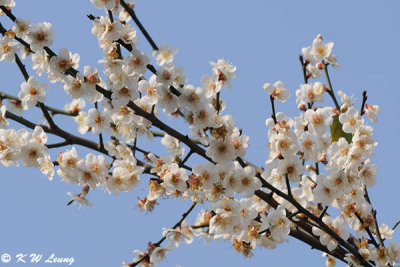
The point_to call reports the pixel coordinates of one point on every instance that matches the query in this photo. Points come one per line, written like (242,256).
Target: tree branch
(364,94)
(139,24)
(157,244)
(330,89)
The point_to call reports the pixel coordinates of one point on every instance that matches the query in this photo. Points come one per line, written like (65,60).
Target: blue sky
(263,38)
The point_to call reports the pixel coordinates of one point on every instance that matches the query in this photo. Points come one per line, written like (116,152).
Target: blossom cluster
(26,147)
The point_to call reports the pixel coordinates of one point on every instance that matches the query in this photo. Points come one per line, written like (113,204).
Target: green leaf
(337,131)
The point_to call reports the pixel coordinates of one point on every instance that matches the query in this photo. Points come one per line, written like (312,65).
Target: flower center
(40,36)
(33,91)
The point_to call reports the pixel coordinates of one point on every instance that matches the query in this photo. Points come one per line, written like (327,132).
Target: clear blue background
(263,39)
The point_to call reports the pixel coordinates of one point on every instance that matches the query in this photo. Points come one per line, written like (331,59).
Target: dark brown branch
(314,218)
(3,31)
(364,94)
(139,24)
(101,143)
(304,68)
(186,158)
(56,145)
(217,104)
(323,212)
(273,115)
(371,237)
(21,67)
(304,234)
(8,13)
(68,137)
(288,185)
(396,224)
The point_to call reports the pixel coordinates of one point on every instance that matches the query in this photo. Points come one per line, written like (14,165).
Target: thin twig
(330,89)
(21,67)
(323,212)
(364,100)
(394,227)
(135,143)
(139,24)
(157,244)
(186,158)
(371,237)
(378,233)
(288,185)
(271,98)
(311,216)
(304,69)
(47,116)
(60,144)
(4,95)
(217,104)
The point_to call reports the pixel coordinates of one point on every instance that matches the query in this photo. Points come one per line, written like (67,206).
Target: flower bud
(343,108)
(302,107)
(330,262)
(318,88)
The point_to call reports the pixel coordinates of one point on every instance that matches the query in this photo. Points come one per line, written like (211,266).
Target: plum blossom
(164,54)
(372,112)
(319,119)
(32,92)
(175,179)
(63,61)
(224,71)
(221,151)
(40,62)
(351,120)
(166,74)
(277,91)
(21,27)
(338,225)
(96,120)
(319,51)
(211,85)
(277,223)
(159,253)
(8,49)
(135,63)
(40,35)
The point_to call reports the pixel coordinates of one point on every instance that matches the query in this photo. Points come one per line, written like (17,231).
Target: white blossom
(32,92)
(164,54)
(8,48)
(277,91)
(40,35)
